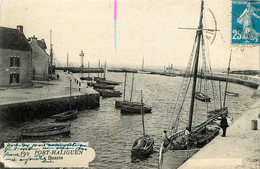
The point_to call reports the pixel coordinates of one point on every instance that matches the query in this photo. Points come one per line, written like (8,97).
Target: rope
(184,88)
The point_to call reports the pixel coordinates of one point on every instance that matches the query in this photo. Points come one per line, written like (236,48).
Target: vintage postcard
(129,84)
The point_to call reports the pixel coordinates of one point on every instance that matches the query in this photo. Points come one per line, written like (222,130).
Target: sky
(145,28)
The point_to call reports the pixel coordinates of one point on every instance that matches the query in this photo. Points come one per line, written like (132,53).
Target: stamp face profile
(245,22)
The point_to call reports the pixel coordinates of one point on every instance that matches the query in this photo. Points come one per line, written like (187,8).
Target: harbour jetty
(239,149)
(46,98)
(79,69)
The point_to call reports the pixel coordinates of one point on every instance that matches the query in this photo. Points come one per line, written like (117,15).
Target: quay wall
(43,108)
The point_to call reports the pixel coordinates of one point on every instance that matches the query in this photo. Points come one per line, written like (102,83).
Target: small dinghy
(143,146)
(232,94)
(202,97)
(68,115)
(47,130)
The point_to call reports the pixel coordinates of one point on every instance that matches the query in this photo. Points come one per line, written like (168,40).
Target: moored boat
(134,109)
(47,130)
(107,82)
(143,146)
(109,93)
(118,103)
(68,115)
(232,94)
(86,78)
(100,86)
(202,97)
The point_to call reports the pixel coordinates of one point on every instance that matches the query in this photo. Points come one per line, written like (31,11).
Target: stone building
(15,58)
(40,59)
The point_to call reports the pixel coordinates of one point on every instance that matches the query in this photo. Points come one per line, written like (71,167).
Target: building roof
(13,39)
(42,44)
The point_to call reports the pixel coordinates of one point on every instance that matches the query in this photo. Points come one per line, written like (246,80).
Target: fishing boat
(202,97)
(183,143)
(119,104)
(143,146)
(99,78)
(109,93)
(129,106)
(86,78)
(107,82)
(67,115)
(134,109)
(101,86)
(47,130)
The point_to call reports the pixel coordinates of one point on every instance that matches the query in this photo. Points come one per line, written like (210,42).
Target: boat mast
(228,70)
(105,67)
(124,86)
(195,73)
(51,53)
(88,69)
(70,94)
(68,62)
(132,88)
(142,112)
(143,64)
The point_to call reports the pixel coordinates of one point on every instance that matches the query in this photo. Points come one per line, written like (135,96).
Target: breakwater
(53,98)
(42,108)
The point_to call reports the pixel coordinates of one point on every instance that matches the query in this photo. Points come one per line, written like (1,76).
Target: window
(14,78)
(14,61)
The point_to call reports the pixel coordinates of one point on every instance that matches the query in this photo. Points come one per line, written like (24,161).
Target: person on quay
(223,124)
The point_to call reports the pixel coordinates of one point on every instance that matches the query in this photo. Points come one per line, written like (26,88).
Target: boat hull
(202,97)
(118,104)
(109,93)
(68,115)
(48,130)
(142,148)
(134,109)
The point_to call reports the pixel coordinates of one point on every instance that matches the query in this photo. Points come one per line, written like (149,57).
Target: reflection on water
(112,135)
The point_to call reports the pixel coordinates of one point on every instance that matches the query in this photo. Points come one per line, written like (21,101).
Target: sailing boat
(227,92)
(181,142)
(143,71)
(67,115)
(143,146)
(129,106)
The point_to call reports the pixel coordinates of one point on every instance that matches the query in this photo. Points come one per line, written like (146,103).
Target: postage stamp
(245,22)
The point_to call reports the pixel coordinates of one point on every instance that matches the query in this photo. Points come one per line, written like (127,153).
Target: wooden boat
(109,93)
(143,146)
(68,115)
(86,78)
(47,130)
(134,109)
(100,86)
(99,78)
(107,82)
(118,103)
(191,139)
(232,94)
(202,97)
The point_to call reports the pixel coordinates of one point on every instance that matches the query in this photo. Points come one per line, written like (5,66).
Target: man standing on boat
(166,140)
(187,136)
(223,124)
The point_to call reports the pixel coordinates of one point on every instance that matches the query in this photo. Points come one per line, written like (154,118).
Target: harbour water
(111,134)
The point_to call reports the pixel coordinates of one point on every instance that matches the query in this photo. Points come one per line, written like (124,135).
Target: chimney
(20,28)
